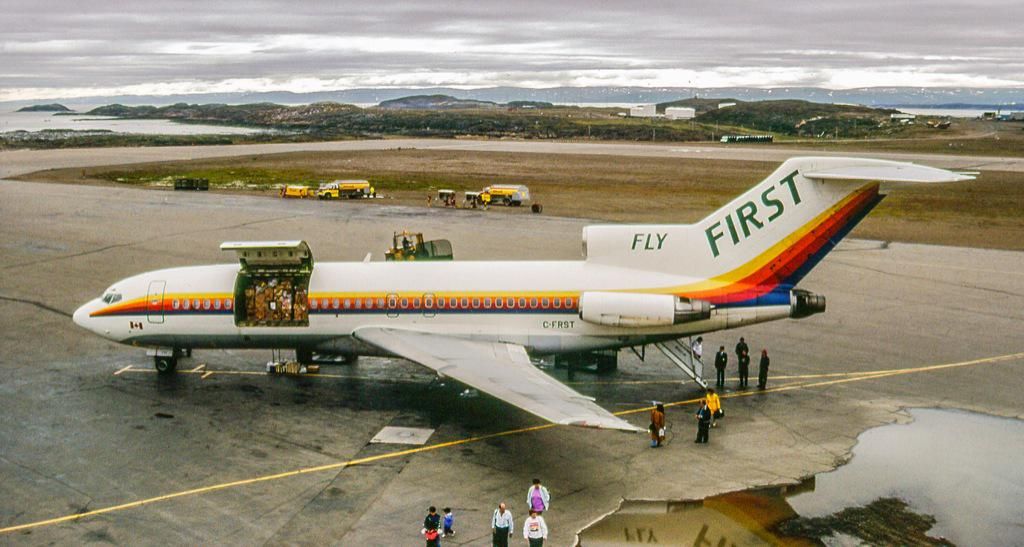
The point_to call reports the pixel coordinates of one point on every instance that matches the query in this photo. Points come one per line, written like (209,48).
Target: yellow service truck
(507,194)
(350,189)
(295,191)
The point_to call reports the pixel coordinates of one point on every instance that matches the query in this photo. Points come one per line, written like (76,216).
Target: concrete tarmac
(76,437)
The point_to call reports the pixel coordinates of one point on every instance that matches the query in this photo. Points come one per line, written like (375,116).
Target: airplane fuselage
(534,304)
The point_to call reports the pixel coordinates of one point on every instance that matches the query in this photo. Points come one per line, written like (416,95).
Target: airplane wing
(499,369)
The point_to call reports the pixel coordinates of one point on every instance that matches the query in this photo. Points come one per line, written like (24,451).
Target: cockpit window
(112,297)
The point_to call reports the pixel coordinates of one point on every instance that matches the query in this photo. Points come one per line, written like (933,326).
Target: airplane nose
(81,315)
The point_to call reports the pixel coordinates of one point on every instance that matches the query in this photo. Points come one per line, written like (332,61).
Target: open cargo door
(272,287)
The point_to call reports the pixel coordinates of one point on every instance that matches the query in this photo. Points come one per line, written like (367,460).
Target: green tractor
(406,245)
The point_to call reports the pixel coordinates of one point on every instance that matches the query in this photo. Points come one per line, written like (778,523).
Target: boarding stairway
(679,352)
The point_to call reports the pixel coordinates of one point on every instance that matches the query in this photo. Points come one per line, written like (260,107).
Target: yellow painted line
(205,373)
(363,461)
(730,379)
(261,373)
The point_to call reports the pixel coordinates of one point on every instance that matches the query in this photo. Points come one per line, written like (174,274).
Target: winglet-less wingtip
(616,424)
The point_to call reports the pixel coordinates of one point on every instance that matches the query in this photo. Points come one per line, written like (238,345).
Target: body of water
(39,121)
(949,112)
(963,469)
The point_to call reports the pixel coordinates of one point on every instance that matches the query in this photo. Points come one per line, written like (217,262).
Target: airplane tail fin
(769,237)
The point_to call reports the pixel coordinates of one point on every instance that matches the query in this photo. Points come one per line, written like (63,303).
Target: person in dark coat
(703,422)
(744,366)
(741,348)
(721,360)
(431,528)
(762,370)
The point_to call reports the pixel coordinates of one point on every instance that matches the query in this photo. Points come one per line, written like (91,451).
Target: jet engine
(616,309)
(805,303)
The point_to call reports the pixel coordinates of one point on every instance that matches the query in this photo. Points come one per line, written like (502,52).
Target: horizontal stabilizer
(887,171)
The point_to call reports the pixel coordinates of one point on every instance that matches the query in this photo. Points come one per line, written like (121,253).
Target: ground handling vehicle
(295,191)
(191,184)
(476,199)
(447,197)
(350,189)
(408,245)
(508,194)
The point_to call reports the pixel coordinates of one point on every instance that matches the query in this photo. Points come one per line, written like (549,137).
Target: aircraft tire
(165,365)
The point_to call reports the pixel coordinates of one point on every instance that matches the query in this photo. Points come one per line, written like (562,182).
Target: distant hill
(871,96)
(530,104)
(794,117)
(259,114)
(434,102)
(445,116)
(54,107)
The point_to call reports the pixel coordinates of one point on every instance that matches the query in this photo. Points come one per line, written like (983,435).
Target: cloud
(60,48)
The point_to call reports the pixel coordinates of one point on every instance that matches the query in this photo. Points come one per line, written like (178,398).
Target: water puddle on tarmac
(947,478)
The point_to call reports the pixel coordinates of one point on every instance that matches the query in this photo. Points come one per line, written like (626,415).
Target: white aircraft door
(155,302)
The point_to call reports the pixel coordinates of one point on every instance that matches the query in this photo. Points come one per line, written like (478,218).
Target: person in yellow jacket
(715,406)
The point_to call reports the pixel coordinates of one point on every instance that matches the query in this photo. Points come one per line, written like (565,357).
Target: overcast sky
(62,48)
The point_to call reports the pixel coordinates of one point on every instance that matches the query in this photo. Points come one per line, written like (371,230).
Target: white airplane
(479,322)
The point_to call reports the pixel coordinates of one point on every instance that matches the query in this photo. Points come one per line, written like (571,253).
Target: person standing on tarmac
(657,425)
(537,497)
(762,370)
(501,526)
(744,366)
(703,422)
(715,406)
(431,528)
(741,348)
(535,530)
(721,360)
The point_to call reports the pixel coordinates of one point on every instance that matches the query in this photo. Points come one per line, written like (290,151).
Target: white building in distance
(643,111)
(680,113)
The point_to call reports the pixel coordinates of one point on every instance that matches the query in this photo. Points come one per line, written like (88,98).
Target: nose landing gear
(165,360)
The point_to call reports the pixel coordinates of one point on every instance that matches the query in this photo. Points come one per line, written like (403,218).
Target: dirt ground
(985,213)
